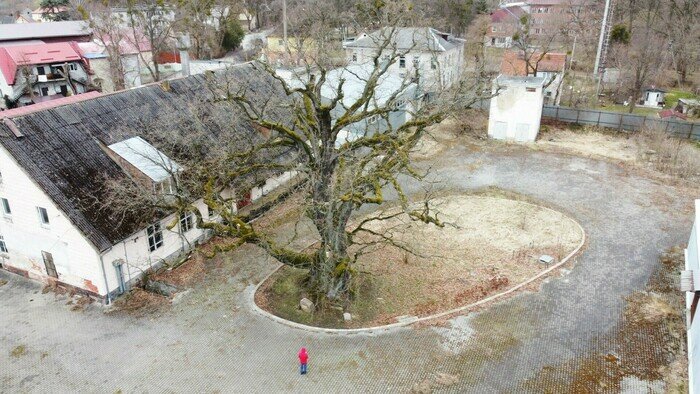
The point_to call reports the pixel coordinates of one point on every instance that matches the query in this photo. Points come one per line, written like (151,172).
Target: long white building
(54,165)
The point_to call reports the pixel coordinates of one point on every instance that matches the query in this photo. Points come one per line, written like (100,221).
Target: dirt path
(210,342)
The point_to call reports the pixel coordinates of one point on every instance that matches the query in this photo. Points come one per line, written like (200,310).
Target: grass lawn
(489,245)
(624,109)
(673,95)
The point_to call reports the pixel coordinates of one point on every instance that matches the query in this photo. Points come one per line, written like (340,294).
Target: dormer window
(146,162)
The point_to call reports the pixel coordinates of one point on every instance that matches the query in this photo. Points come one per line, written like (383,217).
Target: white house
(40,72)
(516,110)
(653,97)
(54,163)
(134,53)
(398,93)
(434,57)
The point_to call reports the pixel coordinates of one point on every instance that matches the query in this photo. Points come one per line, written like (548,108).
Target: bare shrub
(670,155)
(472,122)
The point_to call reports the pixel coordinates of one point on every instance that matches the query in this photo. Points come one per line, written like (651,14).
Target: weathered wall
(25,237)
(515,113)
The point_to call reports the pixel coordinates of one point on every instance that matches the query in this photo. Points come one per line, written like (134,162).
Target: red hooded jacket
(303,356)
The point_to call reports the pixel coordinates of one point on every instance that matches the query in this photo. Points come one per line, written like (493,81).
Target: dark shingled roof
(60,147)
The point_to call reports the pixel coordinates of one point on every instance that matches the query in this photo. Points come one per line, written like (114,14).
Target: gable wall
(76,261)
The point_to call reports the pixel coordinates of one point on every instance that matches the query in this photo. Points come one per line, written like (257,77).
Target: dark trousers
(303,369)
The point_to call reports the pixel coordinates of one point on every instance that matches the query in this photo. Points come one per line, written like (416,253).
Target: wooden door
(48,262)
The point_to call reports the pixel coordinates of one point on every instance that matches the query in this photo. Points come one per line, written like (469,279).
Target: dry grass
(18,351)
(673,156)
(489,245)
(589,142)
(139,303)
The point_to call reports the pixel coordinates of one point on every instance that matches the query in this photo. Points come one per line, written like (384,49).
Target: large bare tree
(308,116)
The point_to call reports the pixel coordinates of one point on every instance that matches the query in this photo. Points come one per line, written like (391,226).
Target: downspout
(104,276)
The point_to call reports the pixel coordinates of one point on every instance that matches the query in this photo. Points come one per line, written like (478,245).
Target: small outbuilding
(654,97)
(689,107)
(516,110)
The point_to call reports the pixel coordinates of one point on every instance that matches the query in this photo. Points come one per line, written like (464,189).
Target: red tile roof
(57,102)
(513,63)
(508,13)
(12,57)
(668,113)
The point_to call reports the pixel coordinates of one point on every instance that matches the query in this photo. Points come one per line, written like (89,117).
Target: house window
(155,237)
(186,222)
(373,119)
(416,61)
(43,216)
(6,207)
(73,67)
(40,70)
(402,61)
(3,246)
(493,29)
(433,64)
(530,89)
(45,91)
(354,57)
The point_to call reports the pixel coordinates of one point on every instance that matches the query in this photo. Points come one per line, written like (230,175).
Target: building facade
(434,58)
(54,164)
(40,72)
(516,108)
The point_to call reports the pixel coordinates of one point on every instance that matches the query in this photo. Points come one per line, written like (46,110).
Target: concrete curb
(392,327)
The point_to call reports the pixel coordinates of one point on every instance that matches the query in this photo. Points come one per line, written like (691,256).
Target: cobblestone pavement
(212,342)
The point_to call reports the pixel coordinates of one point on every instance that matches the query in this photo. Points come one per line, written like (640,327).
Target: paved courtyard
(213,342)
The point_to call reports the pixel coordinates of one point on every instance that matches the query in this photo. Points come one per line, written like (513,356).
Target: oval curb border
(250,297)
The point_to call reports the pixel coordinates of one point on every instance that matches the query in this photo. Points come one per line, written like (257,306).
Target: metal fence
(620,121)
(614,120)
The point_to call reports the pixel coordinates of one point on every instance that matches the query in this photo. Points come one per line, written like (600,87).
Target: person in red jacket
(303,360)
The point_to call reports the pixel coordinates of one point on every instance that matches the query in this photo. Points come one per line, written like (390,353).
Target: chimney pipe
(183,45)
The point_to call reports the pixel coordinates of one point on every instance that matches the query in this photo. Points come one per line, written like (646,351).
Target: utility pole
(284,25)
(573,52)
(601,55)
(603,28)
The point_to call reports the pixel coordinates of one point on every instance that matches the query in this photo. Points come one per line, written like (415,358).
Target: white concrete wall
(25,237)
(134,250)
(692,263)
(515,113)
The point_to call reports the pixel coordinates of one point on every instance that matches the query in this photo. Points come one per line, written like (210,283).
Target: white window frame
(186,222)
(3,245)
(154,233)
(373,119)
(44,219)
